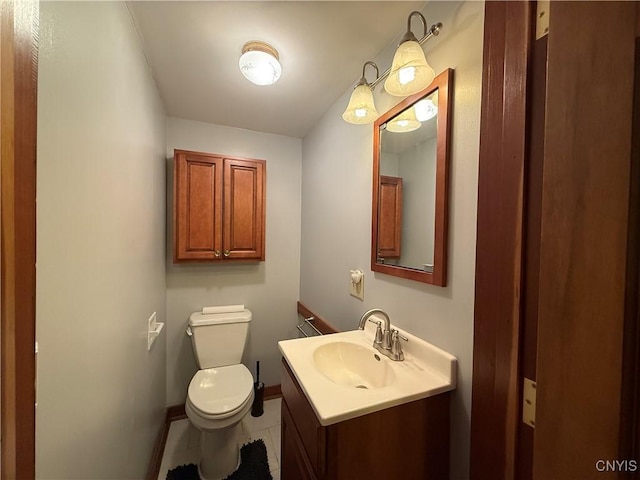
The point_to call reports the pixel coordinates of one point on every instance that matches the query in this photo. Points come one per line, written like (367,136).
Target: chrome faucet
(386,341)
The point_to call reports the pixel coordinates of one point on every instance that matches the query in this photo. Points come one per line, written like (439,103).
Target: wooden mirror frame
(443,83)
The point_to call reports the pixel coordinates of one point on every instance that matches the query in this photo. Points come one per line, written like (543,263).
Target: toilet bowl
(218,400)
(220,394)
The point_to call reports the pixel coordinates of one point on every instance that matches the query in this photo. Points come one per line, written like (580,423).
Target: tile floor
(183,442)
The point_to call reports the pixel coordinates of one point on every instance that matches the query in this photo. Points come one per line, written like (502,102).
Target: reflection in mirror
(410,182)
(408,146)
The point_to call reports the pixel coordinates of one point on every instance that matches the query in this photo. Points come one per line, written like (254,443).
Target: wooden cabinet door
(219,208)
(197,206)
(244,209)
(390,217)
(293,462)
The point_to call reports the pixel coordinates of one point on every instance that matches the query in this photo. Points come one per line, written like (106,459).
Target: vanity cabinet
(409,441)
(219,208)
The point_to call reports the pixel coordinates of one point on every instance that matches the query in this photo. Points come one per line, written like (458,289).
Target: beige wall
(336,216)
(100,242)
(269,289)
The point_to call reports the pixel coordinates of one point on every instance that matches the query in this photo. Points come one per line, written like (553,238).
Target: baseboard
(272,391)
(158,449)
(177,412)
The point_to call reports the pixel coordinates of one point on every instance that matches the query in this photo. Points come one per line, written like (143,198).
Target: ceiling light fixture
(259,63)
(407,70)
(426,109)
(361,108)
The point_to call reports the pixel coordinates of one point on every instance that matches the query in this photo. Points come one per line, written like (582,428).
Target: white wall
(100,242)
(418,170)
(269,289)
(336,216)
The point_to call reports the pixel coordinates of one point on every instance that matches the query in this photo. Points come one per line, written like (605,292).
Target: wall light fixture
(409,72)
(361,108)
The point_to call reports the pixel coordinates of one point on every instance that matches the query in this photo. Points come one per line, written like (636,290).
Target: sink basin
(342,378)
(352,365)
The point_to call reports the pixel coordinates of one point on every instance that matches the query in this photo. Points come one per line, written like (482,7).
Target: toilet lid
(215,391)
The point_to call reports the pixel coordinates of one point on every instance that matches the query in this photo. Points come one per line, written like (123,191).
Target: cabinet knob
(216,253)
(226,253)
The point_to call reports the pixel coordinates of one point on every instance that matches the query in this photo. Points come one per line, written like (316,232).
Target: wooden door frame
(501,259)
(499,250)
(18,131)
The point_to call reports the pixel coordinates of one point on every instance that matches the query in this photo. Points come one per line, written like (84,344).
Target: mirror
(410,180)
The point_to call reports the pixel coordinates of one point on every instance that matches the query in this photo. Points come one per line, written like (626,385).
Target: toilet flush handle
(189,331)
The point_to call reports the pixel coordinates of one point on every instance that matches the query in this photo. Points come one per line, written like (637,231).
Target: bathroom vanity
(374,420)
(409,441)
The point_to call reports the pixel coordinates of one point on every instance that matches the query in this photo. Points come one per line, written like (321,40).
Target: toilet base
(219,452)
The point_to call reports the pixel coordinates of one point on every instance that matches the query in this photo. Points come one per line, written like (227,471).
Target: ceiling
(193,50)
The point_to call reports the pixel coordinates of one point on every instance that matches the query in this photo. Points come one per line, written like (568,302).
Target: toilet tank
(219,339)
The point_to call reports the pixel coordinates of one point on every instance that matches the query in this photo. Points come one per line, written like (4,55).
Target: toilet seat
(220,392)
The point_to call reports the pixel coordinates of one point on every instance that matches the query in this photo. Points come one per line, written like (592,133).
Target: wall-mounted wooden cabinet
(218,208)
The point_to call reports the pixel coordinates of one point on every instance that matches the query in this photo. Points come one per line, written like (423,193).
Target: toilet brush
(258,390)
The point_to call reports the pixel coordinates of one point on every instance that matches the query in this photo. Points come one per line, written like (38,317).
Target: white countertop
(425,371)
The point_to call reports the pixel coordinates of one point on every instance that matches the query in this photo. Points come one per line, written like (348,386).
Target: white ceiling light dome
(259,63)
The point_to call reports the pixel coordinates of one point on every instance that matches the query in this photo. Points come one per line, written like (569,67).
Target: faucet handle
(396,348)
(378,339)
(395,334)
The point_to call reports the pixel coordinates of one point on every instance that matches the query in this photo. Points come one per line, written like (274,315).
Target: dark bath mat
(253,465)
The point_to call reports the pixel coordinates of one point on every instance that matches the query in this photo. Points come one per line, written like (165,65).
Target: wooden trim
(176,412)
(161,441)
(18,130)
(532,236)
(443,83)
(583,261)
(320,323)
(630,436)
(272,391)
(495,394)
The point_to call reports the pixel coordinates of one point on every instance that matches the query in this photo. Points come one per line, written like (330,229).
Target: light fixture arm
(363,79)
(409,35)
(434,31)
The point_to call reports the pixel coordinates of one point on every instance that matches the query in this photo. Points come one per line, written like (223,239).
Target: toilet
(221,392)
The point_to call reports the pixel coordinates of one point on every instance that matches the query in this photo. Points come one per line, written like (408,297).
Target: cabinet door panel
(312,435)
(244,209)
(200,210)
(198,202)
(390,217)
(294,463)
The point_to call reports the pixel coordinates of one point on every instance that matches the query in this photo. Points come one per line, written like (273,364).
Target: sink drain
(362,386)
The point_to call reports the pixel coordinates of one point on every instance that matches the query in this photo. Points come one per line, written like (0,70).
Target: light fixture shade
(259,63)
(410,71)
(405,122)
(361,108)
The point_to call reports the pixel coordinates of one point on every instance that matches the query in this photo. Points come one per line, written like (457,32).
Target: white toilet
(221,392)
